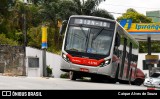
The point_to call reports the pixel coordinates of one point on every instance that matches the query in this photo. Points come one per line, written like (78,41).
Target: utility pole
(44,47)
(149,53)
(149,45)
(25,40)
(44,62)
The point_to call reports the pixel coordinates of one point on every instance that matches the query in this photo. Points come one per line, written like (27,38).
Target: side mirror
(63,26)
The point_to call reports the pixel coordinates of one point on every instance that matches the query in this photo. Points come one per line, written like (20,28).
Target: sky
(120,6)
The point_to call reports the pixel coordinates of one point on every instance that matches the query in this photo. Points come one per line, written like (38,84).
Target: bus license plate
(84,70)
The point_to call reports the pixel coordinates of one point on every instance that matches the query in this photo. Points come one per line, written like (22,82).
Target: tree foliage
(102,13)
(42,12)
(52,11)
(135,16)
(140,18)
(155,46)
(4,40)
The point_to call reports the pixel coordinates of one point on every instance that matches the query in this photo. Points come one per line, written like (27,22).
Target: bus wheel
(72,75)
(114,80)
(138,82)
(96,79)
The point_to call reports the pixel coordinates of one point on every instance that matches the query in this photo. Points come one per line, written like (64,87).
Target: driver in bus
(103,48)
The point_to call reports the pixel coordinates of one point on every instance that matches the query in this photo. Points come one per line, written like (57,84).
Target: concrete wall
(34,72)
(52,60)
(12,59)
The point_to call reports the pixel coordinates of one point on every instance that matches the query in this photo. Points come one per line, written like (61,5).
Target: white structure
(141,57)
(52,60)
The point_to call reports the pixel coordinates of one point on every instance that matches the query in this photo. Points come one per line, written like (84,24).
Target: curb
(151,88)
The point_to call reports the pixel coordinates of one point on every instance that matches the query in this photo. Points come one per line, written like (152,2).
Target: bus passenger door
(129,60)
(123,57)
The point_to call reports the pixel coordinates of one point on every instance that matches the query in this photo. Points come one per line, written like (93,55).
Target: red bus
(99,48)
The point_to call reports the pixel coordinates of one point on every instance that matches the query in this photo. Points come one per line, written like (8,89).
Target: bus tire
(138,82)
(95,79)
(72,75)
(114,80)
(117,72)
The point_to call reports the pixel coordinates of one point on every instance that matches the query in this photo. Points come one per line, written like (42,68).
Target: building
(155,15)
(34,63)
(142,63)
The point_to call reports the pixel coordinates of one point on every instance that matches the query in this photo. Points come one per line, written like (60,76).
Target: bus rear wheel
(72,75)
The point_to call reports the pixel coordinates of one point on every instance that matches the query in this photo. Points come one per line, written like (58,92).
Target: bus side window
(117,41)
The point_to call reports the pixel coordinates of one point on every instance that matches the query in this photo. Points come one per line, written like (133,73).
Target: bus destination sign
(92,22)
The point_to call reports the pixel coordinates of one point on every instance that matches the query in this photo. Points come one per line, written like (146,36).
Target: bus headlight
(64,56)
(106,62)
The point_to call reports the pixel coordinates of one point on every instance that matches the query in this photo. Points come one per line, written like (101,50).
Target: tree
(35,37)
(16,21)
(49,12)
(43,12)
(5,5)
(4,40)
(102,13)
(63,9)
(140,18)
(88,7)
(135,16)
(5,18)
(4,14)
(85,7)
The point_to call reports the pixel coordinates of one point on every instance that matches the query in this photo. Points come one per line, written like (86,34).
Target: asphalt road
(7,82)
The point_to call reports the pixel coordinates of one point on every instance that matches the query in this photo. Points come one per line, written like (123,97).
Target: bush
(4,40)
(65,75)
(49,71)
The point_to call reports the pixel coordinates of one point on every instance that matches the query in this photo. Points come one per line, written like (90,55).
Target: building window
(158,65)
(145,66)
(33,62)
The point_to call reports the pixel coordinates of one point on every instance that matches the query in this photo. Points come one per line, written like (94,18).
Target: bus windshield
(89,40)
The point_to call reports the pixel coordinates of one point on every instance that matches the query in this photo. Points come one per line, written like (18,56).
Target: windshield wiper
(94,37)
(83,31)
(97,34)
(85,36)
